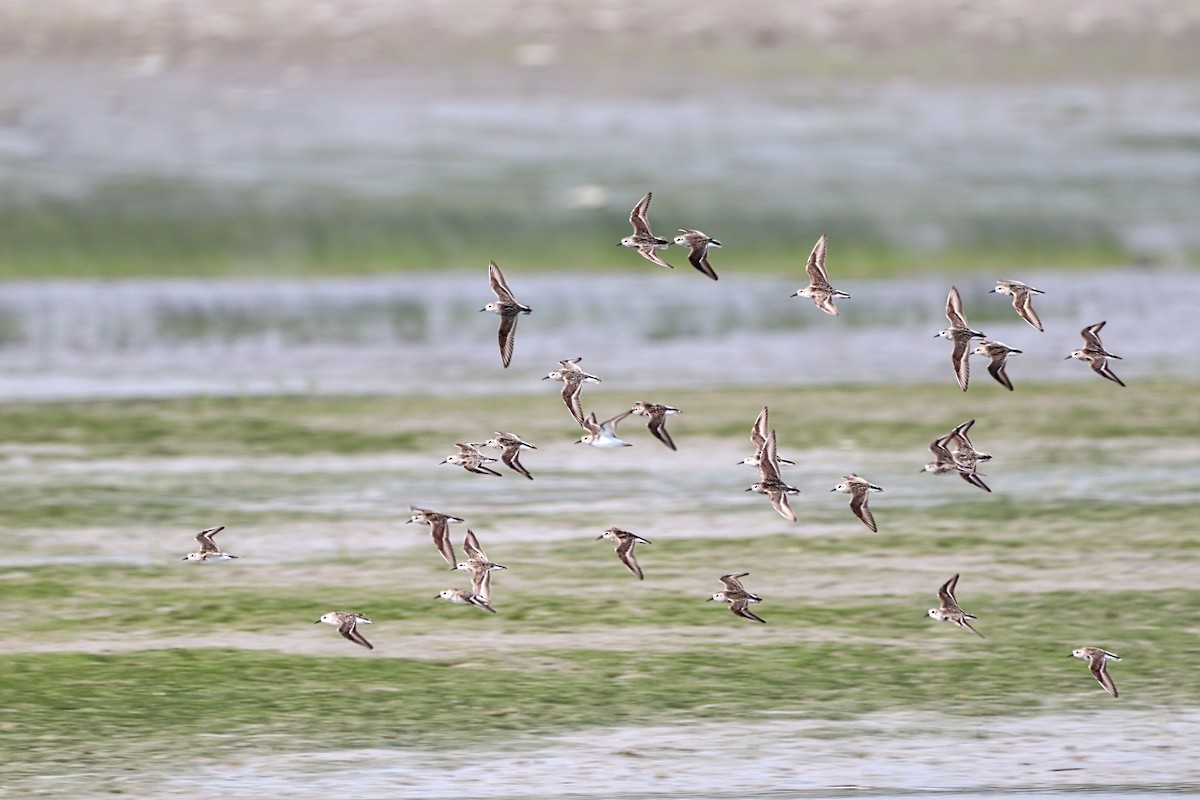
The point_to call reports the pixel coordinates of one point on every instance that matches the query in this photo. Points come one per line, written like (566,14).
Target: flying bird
(347,623)
(643,240)
(961,334)
(819,290)
(439,525)
(949,610)
(510,446)
(698,243)
(859,489)
(625,543)
(1022,300)
(469,458)
(770,483)
(658,419)
(1098,663)
(573,377)
(508,308)
(1094,353)
(603,434)
(208,548)
(998,352)
(738,598)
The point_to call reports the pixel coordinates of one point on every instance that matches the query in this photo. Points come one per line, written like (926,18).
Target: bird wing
(996,369)
(741,607)
(959,357)
(499,286)
(816,264)
(507,336)
(1091,336)
(639,217)
(858,504)
(625,553)
(647,251)
(954,309)
(349,629)
(658,426)
(1023,303)
(570,395)
(510,457)
(1099,667)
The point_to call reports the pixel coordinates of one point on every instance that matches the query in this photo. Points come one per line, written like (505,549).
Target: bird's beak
(618,244)
(992,291)
(709,600)
(936,335)
(184,558)
(316,621)
(443,461)
(1068,358)
(546,378)
(793,294)
(834,489)
(483,309)
(601,536)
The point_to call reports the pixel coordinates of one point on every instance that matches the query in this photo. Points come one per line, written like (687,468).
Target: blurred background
(300,137)
(338,174)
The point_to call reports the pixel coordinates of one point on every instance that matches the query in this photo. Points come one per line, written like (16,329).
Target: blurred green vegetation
(221,657)
(150,227)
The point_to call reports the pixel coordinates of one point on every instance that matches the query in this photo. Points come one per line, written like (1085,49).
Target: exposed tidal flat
(128,671)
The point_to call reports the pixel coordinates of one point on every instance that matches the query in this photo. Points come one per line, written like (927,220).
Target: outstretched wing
(639,217)
(954,309)
(816,264)
(858,504)
(658,426)
(349,629)
(507,336)
(499,286)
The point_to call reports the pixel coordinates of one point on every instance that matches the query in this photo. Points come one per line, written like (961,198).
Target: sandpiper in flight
(1098,659)
(469,458)
(1094,353)
(859,489)
(758,435)
(208,548)
(944,461)
(998,353)
(463,596)
(738,598)
(658,419)
(1022,300)
(698,243)
(439,525)
(480,567)
(508,308)
(511,446)
(347,623)
(625,543)
(643,240)
(819,290)
(961,334)
(949,610)
(603,434)
(770,483)
(573,377)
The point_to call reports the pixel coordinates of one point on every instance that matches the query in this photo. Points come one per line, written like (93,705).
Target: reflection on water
(425,333)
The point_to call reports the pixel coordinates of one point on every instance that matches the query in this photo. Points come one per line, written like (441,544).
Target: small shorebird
(603,434)
(439,525)
(1098,659)
(462,596)
(469,458)
(511,446)
(738,598)
(480,567)
(770,483)
(859,489)
(949,611)
(1022,300)
(758,435)
(208,548)
(698,243)
(658,419)
(643,240)
(625,542)
(944,461)
(819,290)
(961,334)
(965,454)
(998,353)
(1094,353)
(573,377)
(508,308)
(347,623)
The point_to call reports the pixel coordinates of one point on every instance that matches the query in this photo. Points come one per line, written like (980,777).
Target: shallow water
(424,334)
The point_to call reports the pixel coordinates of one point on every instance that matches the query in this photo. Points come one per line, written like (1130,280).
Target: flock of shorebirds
(953,453)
